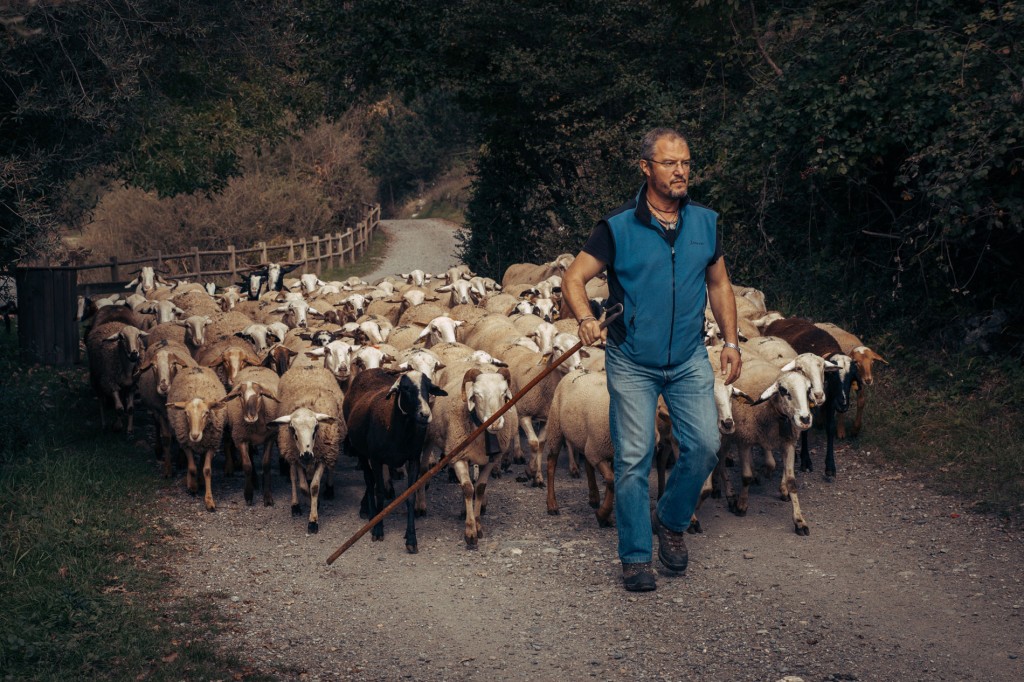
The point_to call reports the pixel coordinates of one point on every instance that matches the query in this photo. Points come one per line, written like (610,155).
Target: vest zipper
(672,320)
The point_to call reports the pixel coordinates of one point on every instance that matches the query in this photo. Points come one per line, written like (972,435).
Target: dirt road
(893,583)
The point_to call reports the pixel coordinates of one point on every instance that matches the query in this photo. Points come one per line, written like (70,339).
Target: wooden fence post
(263,253)
(291,251)
(316,255)
(232,262)
(341,249)
(198,262)
(330,245)
(115,273)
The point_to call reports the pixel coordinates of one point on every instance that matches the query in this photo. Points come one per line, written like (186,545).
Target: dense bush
(308,186)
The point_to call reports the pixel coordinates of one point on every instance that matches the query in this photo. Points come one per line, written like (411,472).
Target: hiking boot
(671,547)
(638,577)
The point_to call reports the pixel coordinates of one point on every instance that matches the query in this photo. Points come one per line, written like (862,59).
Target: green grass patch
(367,263)
(82,552)
(957,419)
(443,210)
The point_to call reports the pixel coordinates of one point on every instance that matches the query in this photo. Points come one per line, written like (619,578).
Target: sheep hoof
(519,460)
(802,530)
(594,504)
(537,484)
(694,527)
(419,513)
(574,474)
(296,510)
(735,508)
(313,527)
(397,474)
(378,537)
(471,542)
(411,549)
(603,523)
(522,478)
(830,476)
(553,512)
(268,502)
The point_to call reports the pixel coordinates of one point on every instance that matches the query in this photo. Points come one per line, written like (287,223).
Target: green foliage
(80,549)
(887,156)
(169,93)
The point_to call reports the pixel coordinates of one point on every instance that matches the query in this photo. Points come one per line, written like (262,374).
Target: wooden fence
(230,264)
(47,295)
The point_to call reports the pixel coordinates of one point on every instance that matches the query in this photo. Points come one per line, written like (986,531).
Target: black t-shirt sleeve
(600,244)
(718,248)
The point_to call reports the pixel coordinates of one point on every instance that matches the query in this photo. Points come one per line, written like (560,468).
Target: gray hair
(652,137)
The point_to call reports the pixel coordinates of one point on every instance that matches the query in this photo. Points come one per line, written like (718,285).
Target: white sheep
(311,403)
(114,350)
(578,419)
(470,401)
(195,409)
(775,422)
(155,374)
(253,405)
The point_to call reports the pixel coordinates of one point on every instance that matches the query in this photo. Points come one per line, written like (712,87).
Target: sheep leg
(462,474)
(738,506)
(552,462)
(190,478)
(208,479)
(574,467)
(129,409)
(411,544)
(314,497)
(243,449)
(788,489)
(380,494)
(229,454)
(705,492)
(769,464)
(480,496)
(293,472)
(268,493)
(329,483)
(805,454)
(164,431)
(662,452)
(862,401)
(427,460)
(593,496)
(830,438)
(533,463)
(604,513)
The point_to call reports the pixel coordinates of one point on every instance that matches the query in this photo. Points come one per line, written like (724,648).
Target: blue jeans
(689,393)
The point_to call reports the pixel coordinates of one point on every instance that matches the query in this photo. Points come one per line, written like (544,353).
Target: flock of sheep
(399,372)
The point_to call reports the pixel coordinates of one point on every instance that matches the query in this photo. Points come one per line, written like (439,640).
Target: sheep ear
(425,332)
(468,378)
(111,338)
(875,356)
(790,367)
(436,390)
(286,419)
(737,393)
(325,418)
(439,366)
(144,366)
(178,406)
(317,352)
(393,390)
(831,366)
(506,374)
(132,283)
(768,393)
(267,393)
(584,353)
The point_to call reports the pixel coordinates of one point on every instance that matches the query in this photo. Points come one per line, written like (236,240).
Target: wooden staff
(612,313)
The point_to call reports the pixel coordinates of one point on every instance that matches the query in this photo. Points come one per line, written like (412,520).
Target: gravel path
(427,245)
(893,583)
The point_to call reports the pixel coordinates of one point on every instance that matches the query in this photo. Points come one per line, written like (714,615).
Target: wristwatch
(733,345)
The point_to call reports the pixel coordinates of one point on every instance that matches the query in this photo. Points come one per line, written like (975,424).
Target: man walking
(664,262)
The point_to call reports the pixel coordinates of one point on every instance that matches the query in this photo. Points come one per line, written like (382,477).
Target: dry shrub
(310,186)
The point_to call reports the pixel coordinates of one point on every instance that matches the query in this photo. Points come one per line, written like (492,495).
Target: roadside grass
(83,554)
(367,263)
(957,419)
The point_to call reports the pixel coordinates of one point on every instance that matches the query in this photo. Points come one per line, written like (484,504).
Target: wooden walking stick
(612,313)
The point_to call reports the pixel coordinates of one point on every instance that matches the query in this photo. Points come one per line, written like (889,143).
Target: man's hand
(591,332)
(732,364)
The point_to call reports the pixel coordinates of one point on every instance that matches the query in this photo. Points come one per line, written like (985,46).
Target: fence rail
(317,253)
(47,295)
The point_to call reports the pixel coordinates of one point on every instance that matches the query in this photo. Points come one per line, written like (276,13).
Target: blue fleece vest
(661,284)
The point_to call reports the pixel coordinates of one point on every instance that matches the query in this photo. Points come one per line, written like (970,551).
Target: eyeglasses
(671,165)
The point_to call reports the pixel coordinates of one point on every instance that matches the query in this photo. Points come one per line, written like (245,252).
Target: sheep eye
(783,392)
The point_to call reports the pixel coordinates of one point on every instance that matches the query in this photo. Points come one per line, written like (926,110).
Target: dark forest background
(865,157)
